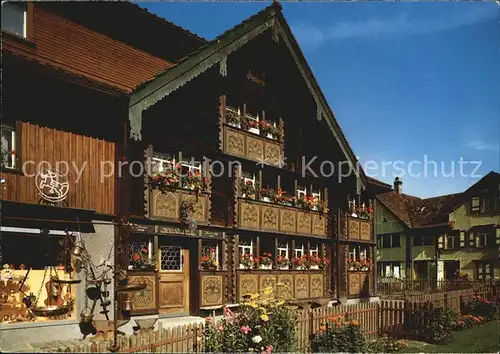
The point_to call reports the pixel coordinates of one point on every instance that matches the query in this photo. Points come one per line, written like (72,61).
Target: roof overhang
(216,52)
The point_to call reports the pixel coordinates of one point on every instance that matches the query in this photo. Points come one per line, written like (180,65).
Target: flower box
(236,125)
(314,267)
(266,266)
(266,199)
(242,266)
(284,268)
(254,131)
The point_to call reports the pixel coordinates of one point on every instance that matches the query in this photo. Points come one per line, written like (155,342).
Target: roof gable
(216,52)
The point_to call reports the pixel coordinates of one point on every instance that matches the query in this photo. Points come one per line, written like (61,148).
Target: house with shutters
(442,237)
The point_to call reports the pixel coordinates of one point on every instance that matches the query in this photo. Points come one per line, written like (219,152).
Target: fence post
(311,331)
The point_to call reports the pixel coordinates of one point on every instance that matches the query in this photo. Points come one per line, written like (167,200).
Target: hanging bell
(86,317)
(77,251)
(126,305)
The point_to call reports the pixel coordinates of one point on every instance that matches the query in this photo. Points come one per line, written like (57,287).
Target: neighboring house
(440,237)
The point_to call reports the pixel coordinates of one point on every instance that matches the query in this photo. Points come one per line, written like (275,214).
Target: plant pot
(314,267)
(236,125)
(145,267)
(209,268)
(266,266)
(254,131)
(270,136)
(283,267)
(266,199)
(244,267)
(351,268)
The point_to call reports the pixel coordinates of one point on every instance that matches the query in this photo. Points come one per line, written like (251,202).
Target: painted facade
(441,237)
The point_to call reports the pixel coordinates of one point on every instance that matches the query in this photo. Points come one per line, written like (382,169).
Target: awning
(17,216)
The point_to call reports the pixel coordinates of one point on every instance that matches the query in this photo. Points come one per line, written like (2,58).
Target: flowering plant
(268,192)
(248,188)
(267,127)
(305,202)
(282,262)
(209,261)
(266,259)
(321,262)
(263,324)
(195,181)
(339,335)
(363,265)
(164,181)
(283,198)
(141,259)
(301,262)
(232,117)
(248,261)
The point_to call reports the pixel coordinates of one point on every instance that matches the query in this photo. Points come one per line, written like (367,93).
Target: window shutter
(498,236)
(462,239)
(441,241)
(472,241)
(475,205)
(445,239)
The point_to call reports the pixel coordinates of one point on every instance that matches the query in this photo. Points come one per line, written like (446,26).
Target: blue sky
(405,80)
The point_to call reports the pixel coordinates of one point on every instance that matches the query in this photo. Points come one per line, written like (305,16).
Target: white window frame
(242,248)
(316,195)
(301,193)
(363,253)
(314,249)
(246,179)
(281,250)
(163,163)
(298,249)
(195,167)
(12,131)
(352,253)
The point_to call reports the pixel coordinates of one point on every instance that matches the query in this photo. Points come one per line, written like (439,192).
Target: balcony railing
(169,205)
(285,284)
(358,229)
(212,286)
(359,283)
(241,143)
(269,217)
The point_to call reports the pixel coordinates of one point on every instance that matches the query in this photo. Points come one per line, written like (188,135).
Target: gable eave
(217,51)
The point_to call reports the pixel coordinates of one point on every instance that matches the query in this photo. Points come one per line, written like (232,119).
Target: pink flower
(245,329)
(269,348)
(220,328)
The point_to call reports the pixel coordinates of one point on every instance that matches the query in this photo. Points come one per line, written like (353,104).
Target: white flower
(257,339)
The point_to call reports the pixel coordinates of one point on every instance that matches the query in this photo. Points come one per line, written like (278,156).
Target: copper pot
(126,305)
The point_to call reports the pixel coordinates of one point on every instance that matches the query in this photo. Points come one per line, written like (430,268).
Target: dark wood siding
(40,143)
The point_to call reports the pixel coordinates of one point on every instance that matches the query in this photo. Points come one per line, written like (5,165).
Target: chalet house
(180,164)
(442,237)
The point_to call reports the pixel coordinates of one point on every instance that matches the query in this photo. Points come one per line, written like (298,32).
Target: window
(298,250)
(475,205)
(161,164)
(301,193)
(8,143)
(14,18)
(422,240)
(245,246)
(253,123)
(452,241)
(282,249)
(316,195)
(484,270)
(136,245)
(390,269)
(389,241)
(171,258)
(314,250)
(482,239)
(487,205)
(210,248)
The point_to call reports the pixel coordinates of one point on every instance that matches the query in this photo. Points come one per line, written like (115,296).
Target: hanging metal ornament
(52,291)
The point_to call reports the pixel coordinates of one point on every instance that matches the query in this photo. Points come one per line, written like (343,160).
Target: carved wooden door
(173,280)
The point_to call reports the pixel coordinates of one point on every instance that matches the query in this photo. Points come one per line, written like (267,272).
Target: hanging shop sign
(52,185)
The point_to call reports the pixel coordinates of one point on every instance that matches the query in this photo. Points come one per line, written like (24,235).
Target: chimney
(398,186)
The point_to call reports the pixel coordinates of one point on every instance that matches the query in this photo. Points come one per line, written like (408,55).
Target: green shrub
(479,306)
(337,335)
(385,344)
(262,326)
